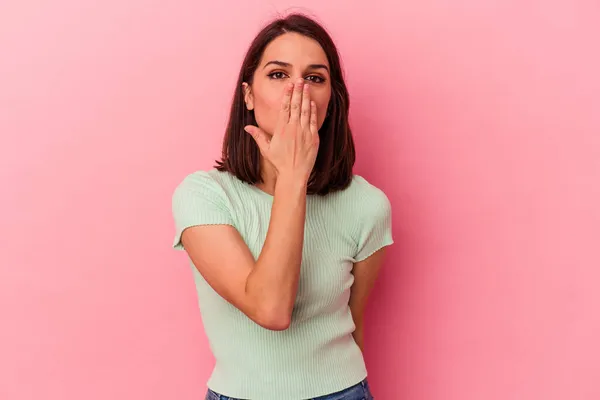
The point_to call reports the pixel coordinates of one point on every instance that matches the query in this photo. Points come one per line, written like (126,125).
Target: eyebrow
(285,64)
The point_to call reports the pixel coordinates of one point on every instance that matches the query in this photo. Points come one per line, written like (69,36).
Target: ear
(248,97)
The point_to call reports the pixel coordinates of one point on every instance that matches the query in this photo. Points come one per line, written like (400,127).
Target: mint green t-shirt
(317,354)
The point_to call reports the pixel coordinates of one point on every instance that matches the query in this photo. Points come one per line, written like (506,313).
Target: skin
(302,58)
(265,290)
(365,274)
(289,94)
(301,55)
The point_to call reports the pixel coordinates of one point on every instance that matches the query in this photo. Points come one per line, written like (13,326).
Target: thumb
(260,137)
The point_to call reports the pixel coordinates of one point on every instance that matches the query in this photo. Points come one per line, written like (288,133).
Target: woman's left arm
(365,273)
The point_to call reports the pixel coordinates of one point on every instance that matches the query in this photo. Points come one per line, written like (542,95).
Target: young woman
(284,240)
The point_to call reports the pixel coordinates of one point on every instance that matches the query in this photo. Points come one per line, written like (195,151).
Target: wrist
(290,182)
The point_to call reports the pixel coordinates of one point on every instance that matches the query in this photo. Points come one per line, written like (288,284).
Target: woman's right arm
(265,289)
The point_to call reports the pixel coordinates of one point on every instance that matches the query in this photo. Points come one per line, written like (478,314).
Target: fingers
(296,101)
(305,109)
(284,113)
(313,118)
(259,137)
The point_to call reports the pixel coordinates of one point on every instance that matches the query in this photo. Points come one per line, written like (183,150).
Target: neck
(269,177)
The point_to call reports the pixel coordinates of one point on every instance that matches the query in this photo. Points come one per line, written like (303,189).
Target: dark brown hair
(336,156)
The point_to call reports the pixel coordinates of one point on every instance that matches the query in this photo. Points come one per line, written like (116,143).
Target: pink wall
(479,119)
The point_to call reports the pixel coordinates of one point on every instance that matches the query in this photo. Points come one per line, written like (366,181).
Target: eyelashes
(276,75)
(281,75)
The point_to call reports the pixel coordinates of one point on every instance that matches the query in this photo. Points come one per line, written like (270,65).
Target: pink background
(480,120)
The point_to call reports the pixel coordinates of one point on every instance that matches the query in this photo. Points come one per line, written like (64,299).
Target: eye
(276,75)
(315,79)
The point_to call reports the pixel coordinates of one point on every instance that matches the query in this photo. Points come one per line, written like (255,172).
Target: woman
(285,242)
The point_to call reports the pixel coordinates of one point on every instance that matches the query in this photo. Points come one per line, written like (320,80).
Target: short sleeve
(376,227)
(199,200)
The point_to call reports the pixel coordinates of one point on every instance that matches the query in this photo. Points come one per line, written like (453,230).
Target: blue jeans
(360,391)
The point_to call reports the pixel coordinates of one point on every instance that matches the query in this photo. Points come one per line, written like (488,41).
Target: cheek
(321,113)
(322,100)
(266,109)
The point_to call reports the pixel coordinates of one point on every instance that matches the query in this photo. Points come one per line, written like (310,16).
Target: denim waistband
(359,391)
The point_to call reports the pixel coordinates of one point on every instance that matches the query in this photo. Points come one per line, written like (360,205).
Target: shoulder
(365,195)
(209,177)
(204,180)
(203,185)
(371,217)
(362,200)
(199,199)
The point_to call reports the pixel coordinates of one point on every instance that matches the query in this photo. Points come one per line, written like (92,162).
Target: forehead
(295,49)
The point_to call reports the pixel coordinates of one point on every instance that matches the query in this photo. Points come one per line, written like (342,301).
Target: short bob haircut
(336,155)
